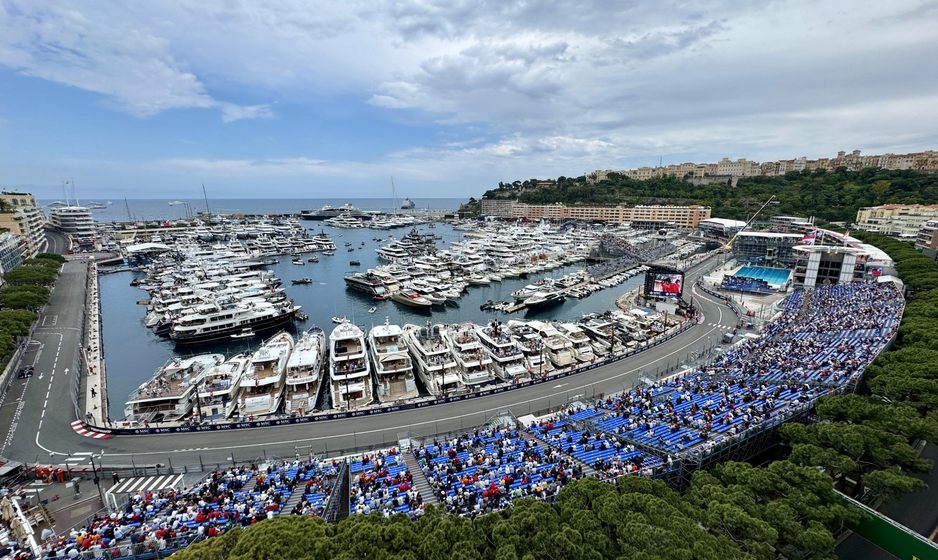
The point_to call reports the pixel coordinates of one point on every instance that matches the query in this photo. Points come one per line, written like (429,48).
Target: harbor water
(132,352)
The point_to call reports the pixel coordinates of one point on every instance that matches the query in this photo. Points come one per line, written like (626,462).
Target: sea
(175,209)
(133,353)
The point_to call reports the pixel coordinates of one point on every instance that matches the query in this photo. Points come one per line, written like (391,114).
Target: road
(38,411)
(56,242)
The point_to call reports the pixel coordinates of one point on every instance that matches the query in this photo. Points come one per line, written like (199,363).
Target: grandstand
(757,279)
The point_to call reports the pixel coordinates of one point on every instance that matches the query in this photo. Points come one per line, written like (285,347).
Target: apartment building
(21,216)
(852,161)
(497,207)
(927,239)
(10,256)
(681,217)
(896,220)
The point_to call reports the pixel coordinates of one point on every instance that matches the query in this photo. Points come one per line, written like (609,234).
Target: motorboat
(349,370)
(393,367)
(245,333)
(434,361)
(263,384)
(219,389)
(170,394)
(304,372)
(410,298)
(300,281)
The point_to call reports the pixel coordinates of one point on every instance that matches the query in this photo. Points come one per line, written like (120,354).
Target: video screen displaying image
(664,284)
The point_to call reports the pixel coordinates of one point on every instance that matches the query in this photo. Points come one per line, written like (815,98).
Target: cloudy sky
(255,99)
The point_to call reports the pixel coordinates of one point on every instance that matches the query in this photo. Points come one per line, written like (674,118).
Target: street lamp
(97,479)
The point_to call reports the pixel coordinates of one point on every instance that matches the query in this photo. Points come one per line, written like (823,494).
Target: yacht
(329,211)
(366,282)
(474,361)
(603,336)
(349,372)
(410,298)
(262,387)
(507,355)
(408,204)
(304,372)
(218,392)
(346,221)
(212,321)
(433,359)
(532,345)
(170,394)
(543,300)
(558,348)
(582,346)
(394,369)
(323,242)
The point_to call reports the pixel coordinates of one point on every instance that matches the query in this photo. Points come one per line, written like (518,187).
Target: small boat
(354,263)
(298,262)
(350,249)
(340,320)
(373,309)
(328,253)
(245,333)
(300,316)
(313,259)
(302,281)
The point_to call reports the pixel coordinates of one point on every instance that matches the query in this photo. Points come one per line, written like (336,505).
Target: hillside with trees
(828,196)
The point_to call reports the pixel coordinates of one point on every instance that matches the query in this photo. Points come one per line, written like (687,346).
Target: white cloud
(541,88)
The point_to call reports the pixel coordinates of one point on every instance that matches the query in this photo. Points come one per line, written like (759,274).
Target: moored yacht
(349,372)
(532,345)
(170,393)
(218,392)
(582,347)
(262,386)
(394,369)
(474,361)
(558,348)
(433,359)
(410,298)
(304,372)
(507,355)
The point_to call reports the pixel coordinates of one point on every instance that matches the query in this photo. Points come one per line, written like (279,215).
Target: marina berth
(434,361)
(263,385)
(304,372)
(220,388)
(170,394)
(349,370)
(393,367)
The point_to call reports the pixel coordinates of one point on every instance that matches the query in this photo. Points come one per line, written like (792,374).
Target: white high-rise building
(75,221)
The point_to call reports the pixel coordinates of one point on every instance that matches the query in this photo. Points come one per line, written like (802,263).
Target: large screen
(664,283)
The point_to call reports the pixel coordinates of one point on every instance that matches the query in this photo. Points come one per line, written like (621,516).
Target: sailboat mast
(393,195)
(207,211)
(127,207)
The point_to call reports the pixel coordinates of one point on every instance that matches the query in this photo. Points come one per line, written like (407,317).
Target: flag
(809,237)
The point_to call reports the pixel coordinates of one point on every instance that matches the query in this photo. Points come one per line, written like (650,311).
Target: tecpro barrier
(385,409)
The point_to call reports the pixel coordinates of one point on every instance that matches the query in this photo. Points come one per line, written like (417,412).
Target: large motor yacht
(507,354)
(214,322)
(582,346)
(394,369)
(474,361)
(558,348)
(262,387)
(350,378)
(304,372)
(433,359)
(170,393)
(218,392)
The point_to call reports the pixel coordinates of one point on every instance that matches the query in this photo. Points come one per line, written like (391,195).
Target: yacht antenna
(75,193)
